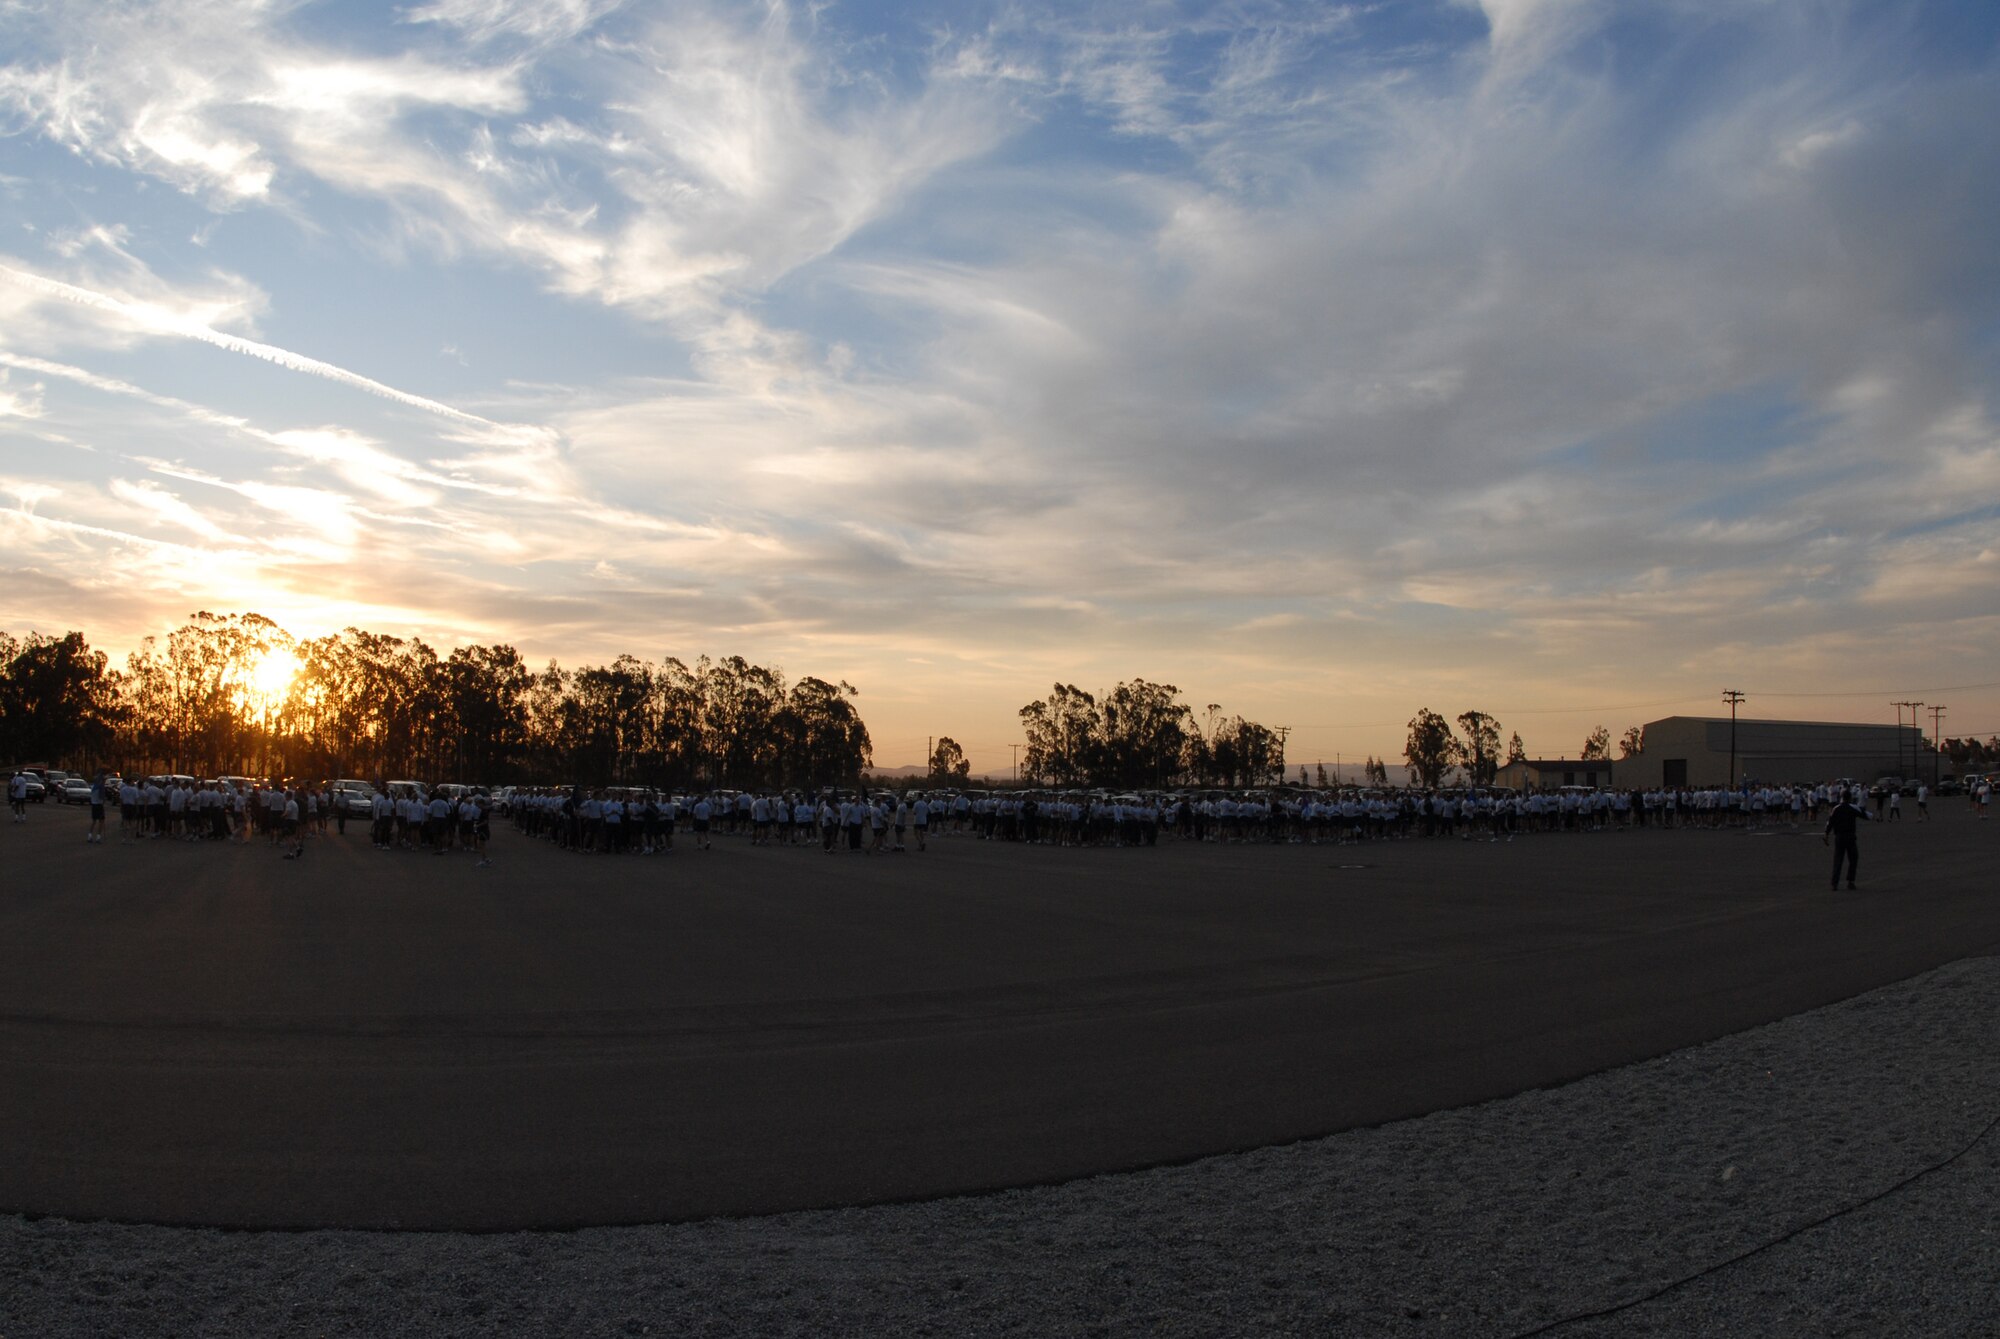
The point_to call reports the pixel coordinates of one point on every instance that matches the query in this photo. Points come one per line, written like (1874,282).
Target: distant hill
(917,770)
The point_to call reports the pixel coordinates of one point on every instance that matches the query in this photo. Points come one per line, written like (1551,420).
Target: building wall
(1775,751)
(1546,773)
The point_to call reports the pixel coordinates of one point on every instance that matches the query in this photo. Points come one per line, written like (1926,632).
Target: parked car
(37,792)
(74,790)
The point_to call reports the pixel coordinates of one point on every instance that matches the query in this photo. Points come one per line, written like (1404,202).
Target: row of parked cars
(43,782)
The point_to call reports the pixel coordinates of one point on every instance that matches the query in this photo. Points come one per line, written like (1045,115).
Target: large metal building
(1695,751)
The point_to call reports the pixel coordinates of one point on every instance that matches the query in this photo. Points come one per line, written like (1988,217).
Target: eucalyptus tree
(59,699)
(1062,737)
(819,736)
(1477,749)
(1143,730)
(1430,748)
(948,763)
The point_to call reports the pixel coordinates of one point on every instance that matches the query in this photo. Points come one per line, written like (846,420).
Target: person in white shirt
(128,809)
(156,809)
(468,829)
(612,815)
(382,821)
(437,832)
(291,829)
(97,789)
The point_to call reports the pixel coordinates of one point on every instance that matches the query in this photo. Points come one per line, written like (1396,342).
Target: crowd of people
(637,821)
(282,814)
(640,821)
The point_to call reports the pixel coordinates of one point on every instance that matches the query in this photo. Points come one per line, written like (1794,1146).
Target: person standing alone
(1841,833)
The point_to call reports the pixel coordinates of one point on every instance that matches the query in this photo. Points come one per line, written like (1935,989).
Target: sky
(1570,360)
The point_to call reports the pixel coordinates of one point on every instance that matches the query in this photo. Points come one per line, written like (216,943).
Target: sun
(272,677)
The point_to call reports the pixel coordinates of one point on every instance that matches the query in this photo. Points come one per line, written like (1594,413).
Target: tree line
(1433,749)
(1973,755)
(203,701)
(1140,734)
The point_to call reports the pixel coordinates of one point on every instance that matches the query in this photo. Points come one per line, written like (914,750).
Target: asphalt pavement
(199,1034)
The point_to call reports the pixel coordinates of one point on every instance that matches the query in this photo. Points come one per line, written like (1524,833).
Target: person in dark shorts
(97,788)
(291,829)
(1841,834)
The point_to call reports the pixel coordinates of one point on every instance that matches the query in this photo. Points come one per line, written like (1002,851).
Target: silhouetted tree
(1142,729)
(1430,748)
(1061,731)
(821,740)
(1477,749)
(948,763)
(58,700)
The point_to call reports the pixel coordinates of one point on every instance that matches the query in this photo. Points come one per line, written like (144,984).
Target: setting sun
(272,678)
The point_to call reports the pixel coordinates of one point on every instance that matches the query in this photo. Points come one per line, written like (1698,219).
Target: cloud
(154,318)
(168,507)
(541,21)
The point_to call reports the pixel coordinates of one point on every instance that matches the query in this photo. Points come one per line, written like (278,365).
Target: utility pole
(1281,731)
(1017,763)
(1899,734)
(930,744)
(1937,743)
(1732,697)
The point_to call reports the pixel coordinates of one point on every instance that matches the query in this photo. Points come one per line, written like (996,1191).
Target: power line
(1878,692)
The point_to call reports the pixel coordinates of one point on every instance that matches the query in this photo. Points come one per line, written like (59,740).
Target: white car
(74,790)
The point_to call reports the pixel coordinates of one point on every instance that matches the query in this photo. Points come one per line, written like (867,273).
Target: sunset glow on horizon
(1567,360)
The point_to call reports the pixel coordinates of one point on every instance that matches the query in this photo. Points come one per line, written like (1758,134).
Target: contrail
(153,319)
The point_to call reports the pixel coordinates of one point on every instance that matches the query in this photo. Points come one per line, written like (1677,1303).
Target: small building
(1549,773)
(1696,751)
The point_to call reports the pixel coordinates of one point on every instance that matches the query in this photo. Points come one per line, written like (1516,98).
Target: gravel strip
(1488,1220)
